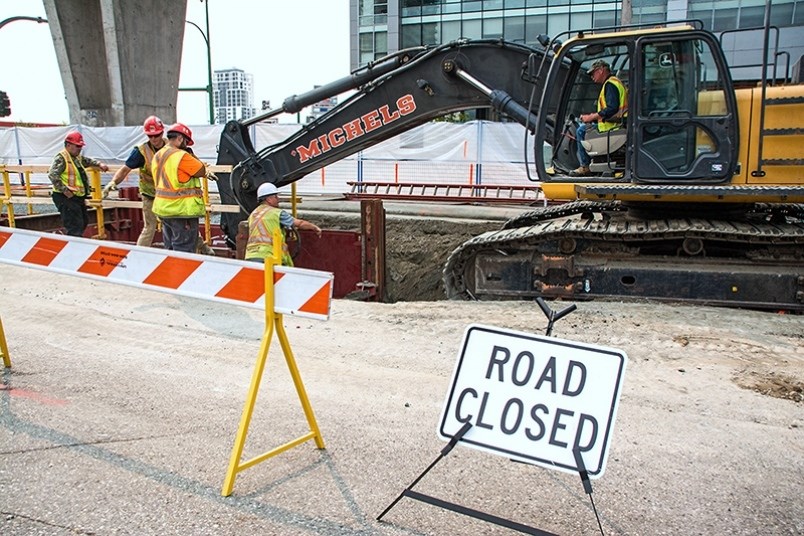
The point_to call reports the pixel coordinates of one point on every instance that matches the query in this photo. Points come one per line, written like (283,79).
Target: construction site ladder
(466,193)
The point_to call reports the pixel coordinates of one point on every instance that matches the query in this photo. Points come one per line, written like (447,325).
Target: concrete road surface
(119,414)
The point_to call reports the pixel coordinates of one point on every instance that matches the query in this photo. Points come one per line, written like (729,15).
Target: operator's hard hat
(597,65)
(182,129)
(266,189)
(153,126)
(75,138)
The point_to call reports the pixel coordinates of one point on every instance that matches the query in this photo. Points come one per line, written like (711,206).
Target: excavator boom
(391,97)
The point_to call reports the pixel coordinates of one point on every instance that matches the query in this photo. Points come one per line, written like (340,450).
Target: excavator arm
(392,96)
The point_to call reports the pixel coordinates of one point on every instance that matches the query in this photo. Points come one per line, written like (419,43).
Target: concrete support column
(119,60)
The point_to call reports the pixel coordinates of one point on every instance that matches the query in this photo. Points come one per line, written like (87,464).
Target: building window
(473,29)
(720,16)
(514,29)
(492,28)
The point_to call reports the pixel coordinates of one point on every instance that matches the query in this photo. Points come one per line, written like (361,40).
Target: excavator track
(589,250)
(586,208)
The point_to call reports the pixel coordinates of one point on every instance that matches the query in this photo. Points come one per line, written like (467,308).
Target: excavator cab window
(685,124)
(607,150)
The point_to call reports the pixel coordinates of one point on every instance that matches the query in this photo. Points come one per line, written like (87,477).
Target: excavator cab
(681,125)
(606,149)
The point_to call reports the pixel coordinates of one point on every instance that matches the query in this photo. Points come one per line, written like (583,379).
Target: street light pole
(22,17)
(209,68)
(208,89)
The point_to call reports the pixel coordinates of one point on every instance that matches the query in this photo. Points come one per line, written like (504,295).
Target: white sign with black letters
(534,398)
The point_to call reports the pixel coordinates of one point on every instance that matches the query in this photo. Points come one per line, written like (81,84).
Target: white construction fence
(476,152)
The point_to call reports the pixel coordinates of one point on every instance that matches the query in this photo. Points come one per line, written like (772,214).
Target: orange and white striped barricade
(299,292)
(278,289)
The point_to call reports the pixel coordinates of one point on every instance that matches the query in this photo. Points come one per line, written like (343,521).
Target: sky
(288,46)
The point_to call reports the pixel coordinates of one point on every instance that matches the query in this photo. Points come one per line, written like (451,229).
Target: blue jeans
(580,135)
(180,234)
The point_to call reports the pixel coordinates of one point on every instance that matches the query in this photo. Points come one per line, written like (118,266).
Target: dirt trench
(416,251)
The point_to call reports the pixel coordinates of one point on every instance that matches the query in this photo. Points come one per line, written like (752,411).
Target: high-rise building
(233,91)
(379,27)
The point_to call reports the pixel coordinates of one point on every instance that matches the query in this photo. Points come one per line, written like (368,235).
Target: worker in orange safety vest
(179,200)
(265,220)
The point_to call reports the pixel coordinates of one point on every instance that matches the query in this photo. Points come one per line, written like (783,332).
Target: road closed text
(534,398)
(558,426)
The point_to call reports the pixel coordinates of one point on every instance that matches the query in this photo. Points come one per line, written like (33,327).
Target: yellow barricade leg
(273,322)
(4,346)
(6,199)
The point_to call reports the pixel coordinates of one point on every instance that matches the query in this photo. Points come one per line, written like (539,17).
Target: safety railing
(30,195)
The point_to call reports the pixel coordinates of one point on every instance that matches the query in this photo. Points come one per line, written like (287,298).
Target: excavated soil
(416,251)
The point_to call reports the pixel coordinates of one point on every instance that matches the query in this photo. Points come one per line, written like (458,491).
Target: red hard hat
(184,131)
(153,126)
(75,138)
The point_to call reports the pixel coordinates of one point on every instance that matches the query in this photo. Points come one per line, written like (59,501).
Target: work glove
(109,188)
(211,176)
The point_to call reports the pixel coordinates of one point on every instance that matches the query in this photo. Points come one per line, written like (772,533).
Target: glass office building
(379,27)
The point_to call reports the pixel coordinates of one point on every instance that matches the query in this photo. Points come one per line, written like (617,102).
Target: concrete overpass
(119,60)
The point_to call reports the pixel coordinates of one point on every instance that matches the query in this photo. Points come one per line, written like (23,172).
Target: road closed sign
(534,399)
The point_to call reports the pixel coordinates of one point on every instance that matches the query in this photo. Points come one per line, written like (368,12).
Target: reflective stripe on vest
(622,111)
(70,177)
(146,177)
(262,223)
(174,199)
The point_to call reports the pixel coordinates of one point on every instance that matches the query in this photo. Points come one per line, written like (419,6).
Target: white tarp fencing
(477,152)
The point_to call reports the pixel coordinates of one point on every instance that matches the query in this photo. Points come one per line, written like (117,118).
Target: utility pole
(207,89)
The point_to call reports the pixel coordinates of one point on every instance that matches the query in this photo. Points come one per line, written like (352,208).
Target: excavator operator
(612,109)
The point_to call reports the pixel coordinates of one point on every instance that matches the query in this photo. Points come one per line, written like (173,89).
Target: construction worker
(179,199)
(140,158)
(267,218)
(71,184)
(612,109)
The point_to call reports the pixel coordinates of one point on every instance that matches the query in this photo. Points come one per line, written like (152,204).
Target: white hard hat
(266,189)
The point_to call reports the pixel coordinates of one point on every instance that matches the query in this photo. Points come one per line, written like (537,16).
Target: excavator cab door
(683,111)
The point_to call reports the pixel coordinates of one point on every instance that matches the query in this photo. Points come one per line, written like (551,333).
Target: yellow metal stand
(7,196)
(96,201)
(273,321)
(4,347)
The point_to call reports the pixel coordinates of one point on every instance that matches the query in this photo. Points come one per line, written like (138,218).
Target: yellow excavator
(697,195)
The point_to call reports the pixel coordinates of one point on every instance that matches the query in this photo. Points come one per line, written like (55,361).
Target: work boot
(580,172)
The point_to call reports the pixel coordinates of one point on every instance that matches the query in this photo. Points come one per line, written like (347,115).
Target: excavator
(697,196)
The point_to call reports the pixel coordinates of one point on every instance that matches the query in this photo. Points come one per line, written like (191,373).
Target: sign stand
(273,321)
(552,317)
(4,347)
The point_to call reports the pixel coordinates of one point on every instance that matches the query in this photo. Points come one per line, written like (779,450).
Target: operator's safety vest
(175,199)
(146,177)
(622,111)
(71,177)
(261,226)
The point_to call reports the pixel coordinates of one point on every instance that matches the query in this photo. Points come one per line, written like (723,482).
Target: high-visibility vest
(262,223)
(146,177)
(71,177)
(175,199)
(622,111)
